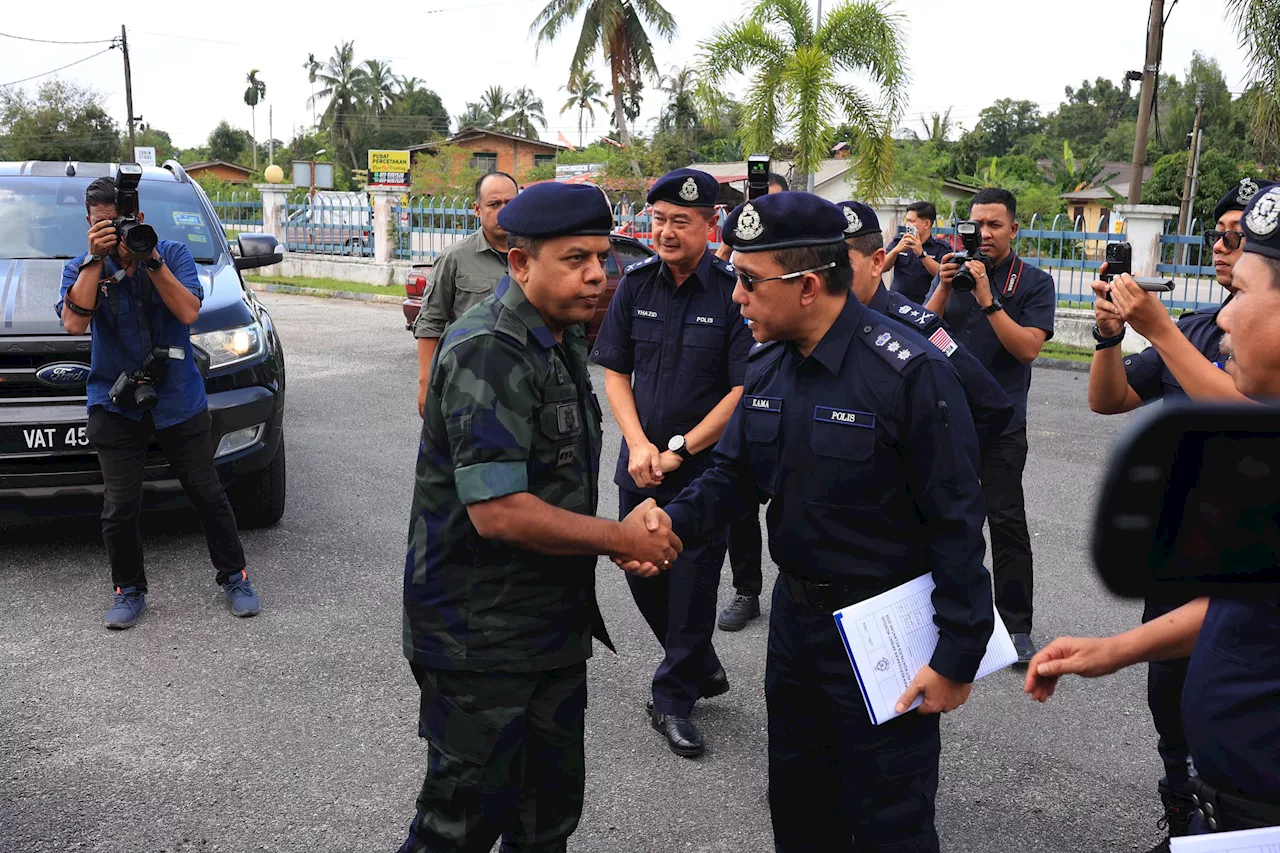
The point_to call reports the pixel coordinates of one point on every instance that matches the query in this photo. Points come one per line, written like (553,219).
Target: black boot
(1178,812)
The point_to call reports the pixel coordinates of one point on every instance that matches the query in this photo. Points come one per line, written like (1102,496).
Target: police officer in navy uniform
(856,432)
(1182,361)
(674,349)
(993,412)
(1231,697)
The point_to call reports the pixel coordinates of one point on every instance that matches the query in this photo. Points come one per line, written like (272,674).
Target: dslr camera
(971,238)
(134,390)
(138,237)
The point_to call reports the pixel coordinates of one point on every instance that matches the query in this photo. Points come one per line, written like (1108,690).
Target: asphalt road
(296,730)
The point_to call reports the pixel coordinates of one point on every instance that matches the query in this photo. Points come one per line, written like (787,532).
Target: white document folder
(1244,841)
(890,636)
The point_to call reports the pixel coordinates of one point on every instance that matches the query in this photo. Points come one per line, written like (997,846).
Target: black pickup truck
(46,464)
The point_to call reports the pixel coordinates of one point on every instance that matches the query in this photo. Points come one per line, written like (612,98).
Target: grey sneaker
(742,610)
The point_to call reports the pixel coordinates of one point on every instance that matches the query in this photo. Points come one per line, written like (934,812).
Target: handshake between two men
(650,545)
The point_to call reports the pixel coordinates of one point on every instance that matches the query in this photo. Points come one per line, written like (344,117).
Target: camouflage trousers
(505,759)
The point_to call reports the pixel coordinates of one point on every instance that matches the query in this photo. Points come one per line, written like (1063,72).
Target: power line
(60,68)
(50,41)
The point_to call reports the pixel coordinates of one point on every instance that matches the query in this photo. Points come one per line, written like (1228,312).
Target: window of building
(485,161)
(543,160)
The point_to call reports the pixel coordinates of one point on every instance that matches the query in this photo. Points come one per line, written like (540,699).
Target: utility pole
(808,182)
(1150,68)
(1193,166)
(128,87)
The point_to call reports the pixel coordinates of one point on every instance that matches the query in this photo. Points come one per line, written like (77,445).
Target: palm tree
(795,81)
(938,127)
(1071,173)
(344,83)
(617,29)
(475,116)
(408,86)
(379,85)
(680,114)
(584,96)
(1258,24)
(257,91)
(526,114)
(496,104)
(311,66)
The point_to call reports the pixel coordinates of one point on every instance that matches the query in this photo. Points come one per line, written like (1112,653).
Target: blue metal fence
(238,211)
(329,224)
(426,226)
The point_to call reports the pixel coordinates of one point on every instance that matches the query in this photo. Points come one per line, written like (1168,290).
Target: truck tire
(258,498)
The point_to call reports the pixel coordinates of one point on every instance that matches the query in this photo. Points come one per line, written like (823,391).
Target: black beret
(558,210)
(861,219)
(1239,196)
(1262,223)
(784,221)
(685,187)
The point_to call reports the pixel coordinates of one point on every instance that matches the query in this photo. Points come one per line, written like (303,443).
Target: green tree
(343,88)
(526,114)
(1083,119)
(379,85)
(150,137)
(618,29)
(1005,122)
(474,116)
(1258,24)
(679,118)
(62,122)
(1069,172)
(229,143)
(256,92)
(496,104)
(448,171)
(1218,173)
(938,127)
(795,83)
(416,115)
(584,96)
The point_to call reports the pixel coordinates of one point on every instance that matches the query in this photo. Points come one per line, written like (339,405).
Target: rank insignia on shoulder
(638,264)
(925,318)
(759,350)
(890,347)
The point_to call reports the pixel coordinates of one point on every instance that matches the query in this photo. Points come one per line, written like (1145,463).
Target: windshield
(45,217)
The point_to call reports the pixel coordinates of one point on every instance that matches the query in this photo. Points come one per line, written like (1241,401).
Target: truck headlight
(227,347)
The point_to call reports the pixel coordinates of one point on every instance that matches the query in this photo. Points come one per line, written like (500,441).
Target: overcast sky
(190,59)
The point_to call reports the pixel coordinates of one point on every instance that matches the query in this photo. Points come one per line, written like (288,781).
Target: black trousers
(1010,542)
(837,783)
(680,607)
(1165,679)
(745,554)
(121,444)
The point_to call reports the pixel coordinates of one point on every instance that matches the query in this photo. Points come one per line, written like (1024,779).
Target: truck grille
(22,358)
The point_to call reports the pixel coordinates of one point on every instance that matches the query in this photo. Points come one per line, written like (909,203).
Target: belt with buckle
(818,595)
(1229,812)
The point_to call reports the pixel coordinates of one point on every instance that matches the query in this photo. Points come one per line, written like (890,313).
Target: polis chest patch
(845,417)
(704,320)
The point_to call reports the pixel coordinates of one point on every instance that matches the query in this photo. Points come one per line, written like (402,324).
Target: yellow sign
(389,168)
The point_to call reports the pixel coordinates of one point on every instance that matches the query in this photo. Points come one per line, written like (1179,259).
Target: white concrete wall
(362,270)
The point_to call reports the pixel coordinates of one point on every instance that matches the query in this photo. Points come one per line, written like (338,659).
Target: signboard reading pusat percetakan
(389,168)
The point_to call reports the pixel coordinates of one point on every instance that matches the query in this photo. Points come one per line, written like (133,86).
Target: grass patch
(1066,352)
(329,284)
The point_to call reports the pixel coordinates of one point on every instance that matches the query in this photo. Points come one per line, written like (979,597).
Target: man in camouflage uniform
(499,588)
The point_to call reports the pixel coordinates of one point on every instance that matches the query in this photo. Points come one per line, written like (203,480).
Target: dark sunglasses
(749,284)
(1230,239)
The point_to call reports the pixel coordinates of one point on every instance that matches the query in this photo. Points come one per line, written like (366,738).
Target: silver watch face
(676,444)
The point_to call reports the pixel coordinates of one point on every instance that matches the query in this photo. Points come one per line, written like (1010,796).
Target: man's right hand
(102,238)
(645,465)
(422,399)
(650,545)
(911,243)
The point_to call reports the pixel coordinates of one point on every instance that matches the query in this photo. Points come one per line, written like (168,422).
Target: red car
(626,251)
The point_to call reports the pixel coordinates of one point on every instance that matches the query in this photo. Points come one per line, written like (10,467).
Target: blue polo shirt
(684,347)
(910,278)
(1030,297)
(120,342)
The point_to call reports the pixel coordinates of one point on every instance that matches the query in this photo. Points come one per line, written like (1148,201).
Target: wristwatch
(1105,342)
(679,447)
(89,259)
(153,264)
(997,304)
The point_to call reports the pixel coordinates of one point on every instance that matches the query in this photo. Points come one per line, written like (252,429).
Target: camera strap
(1012,279)
(144,298)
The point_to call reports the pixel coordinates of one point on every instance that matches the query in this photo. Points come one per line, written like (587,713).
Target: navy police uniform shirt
(685,349)
(1231,701)
(868,458)
(1030,297)
(1147,373)
(910,278)
(993,412)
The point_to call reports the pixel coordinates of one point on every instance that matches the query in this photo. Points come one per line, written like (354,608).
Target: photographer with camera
(1002,309)
(139,295)
(916,256)
(1232,686)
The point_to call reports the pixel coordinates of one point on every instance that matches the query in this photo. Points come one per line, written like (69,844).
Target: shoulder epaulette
(652,259)
(510,326)
(891,347)
(759,351)
(917,317)
(723,266)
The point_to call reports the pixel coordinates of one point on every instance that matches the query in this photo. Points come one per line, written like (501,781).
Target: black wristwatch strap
(153,264)
(997,304)
(1105,342)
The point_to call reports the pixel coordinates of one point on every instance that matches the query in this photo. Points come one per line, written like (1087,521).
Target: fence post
(384,201)
(274,198)
(1143,225)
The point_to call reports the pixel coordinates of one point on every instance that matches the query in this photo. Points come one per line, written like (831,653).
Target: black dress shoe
(1024,647)
(682,735)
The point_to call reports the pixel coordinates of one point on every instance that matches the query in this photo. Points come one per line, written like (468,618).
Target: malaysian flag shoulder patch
(942,341)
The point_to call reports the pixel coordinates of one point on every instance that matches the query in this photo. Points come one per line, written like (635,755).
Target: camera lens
(963,282)
(138,237)
(145,397)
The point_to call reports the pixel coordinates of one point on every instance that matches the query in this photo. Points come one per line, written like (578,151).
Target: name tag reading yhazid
(704,320)
(844,416)
(763,404)
(646,314)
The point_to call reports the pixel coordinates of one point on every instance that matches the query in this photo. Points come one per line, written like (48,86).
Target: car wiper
(203,260)
(43,258)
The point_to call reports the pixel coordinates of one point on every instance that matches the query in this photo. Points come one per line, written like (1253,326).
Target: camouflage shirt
(508,410)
